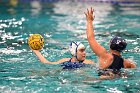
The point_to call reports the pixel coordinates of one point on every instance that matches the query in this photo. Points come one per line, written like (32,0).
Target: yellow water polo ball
(36,41)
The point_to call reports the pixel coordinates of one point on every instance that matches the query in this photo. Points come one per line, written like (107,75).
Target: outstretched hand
(89,14)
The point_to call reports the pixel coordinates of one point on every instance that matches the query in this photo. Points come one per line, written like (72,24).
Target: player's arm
(128,64)
(95,46)
(44,60)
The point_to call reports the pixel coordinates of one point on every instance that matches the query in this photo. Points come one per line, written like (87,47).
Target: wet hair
(117,43)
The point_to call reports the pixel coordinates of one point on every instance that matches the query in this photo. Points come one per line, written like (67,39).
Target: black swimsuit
(117,63)
(115,67)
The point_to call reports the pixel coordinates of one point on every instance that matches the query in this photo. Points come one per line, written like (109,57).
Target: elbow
(44,61)
(133,66)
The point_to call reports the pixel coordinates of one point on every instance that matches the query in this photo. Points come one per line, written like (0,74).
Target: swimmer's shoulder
(128,64)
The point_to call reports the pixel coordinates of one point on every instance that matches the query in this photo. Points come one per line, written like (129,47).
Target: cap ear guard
(70,49)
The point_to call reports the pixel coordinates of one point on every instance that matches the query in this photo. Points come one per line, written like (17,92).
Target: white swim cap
(74,46)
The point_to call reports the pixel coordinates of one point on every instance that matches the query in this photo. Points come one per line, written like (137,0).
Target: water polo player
(111,60)
(78,59)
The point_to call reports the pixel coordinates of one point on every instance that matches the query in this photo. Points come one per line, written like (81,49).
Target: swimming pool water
(59,23)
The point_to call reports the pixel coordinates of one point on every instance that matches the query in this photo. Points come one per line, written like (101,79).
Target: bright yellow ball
(36,41)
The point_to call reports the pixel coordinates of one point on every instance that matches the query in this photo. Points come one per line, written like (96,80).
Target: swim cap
(74,46)
(118,44)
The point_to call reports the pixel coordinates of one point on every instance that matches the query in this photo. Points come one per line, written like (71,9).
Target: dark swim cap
(118,44)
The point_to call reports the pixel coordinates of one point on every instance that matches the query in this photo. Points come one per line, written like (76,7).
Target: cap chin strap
(76,50)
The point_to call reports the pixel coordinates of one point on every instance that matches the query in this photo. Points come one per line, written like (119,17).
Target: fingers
(90,12)
(87,11)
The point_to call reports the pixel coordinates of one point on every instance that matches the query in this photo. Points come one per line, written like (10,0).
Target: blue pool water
(59,23)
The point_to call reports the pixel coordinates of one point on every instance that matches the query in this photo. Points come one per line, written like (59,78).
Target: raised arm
(95,46)
(44,60)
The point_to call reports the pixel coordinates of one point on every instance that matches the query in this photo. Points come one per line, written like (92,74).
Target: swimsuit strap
(79,61)
(70,59)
